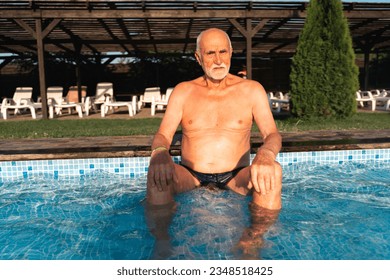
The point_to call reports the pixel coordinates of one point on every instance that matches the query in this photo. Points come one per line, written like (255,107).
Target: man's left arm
(263,170)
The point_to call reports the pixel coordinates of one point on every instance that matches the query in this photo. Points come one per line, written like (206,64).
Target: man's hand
(263,171)
(161,172)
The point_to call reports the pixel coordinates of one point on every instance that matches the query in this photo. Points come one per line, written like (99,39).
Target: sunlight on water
(339,211)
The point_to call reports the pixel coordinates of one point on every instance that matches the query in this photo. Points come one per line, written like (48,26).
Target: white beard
(217,72)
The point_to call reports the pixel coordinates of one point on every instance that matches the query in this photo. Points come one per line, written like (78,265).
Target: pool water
(330,211)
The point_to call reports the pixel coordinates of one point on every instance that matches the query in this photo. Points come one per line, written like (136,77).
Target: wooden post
(41,67)
(248,37)
(366,67)
(78,46)
(39,34)
(248,33)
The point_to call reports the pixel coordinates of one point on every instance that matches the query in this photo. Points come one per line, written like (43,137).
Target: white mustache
(222,65)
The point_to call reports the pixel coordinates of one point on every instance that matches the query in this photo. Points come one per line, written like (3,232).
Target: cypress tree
(324,76)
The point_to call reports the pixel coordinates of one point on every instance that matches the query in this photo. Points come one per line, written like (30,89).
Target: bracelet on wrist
(160,148)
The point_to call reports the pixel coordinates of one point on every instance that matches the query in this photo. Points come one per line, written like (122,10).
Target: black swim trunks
(220,180)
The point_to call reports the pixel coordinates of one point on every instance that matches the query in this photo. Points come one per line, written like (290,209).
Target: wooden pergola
(92,30)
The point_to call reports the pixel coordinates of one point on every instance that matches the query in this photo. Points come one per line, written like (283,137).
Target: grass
(123,127)
(360,121)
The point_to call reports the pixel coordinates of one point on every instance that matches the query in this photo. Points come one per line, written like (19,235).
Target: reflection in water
(251,241)
(206,221)
(158,219)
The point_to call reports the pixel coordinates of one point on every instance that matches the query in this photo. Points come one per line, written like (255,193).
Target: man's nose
(217,59)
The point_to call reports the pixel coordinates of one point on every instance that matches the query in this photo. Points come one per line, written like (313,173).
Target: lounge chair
(150,94)
(278,100)
(112,104)
(383,103)
(104,91)
(365,96)
(159,105)
(56,102)
(22,100)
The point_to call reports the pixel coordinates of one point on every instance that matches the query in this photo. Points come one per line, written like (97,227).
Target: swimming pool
(336,205)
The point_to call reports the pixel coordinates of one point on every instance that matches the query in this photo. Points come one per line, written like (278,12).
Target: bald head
(213,53)
(210,33)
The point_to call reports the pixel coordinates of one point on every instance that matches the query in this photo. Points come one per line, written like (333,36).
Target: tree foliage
(324,76)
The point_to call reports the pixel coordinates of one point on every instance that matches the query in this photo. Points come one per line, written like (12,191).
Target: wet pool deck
(139,146)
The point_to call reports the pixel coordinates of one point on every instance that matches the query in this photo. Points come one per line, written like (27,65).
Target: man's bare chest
(227,113)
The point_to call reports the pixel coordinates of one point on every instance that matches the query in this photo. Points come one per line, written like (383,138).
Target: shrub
(324,76)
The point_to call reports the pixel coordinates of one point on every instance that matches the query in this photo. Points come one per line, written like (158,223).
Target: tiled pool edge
(137,166)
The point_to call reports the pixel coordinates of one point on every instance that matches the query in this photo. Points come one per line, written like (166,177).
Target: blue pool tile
(139,166)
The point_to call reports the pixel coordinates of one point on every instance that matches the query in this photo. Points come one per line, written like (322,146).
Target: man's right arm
(161,172)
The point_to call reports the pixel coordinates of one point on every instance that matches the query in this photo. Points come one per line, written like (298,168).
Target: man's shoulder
(188,85)
(246,85)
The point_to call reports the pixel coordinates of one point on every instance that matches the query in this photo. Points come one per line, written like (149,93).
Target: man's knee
(278,169)
(278,175)
(155,196)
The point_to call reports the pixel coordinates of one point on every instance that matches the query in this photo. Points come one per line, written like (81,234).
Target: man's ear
(198,58)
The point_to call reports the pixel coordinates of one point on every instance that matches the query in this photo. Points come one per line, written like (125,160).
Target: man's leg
(251,241)
(186,182)
(160,207)
(271,200)
(264,211)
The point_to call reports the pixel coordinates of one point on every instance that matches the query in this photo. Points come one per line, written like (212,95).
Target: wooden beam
(248,33)
(50,27)
(26,27)
(30,30)
(74,37)
(112,35)
(158,14)
(151,39)
(188,35)
(198,13)
(5,62)
(126,33)
(9,50)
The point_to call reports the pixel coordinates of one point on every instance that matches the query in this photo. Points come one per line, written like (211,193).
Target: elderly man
(215,112)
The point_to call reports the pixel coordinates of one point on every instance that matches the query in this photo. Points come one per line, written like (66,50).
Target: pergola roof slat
(157,26)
